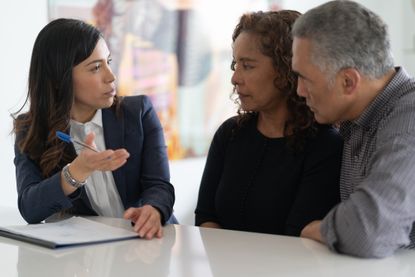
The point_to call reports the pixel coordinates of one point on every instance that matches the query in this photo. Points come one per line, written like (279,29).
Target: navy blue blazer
(143,179)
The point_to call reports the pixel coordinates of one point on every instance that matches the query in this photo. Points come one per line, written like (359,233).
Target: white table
(192,251)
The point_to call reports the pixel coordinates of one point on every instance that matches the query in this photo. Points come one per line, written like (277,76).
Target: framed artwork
(178,52)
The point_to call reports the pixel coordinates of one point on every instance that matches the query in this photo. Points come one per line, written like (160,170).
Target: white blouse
(100,188)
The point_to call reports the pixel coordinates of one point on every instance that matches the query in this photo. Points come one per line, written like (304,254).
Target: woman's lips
(110,93)
(241,95)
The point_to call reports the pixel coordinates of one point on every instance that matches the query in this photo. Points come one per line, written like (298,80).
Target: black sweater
(254,183)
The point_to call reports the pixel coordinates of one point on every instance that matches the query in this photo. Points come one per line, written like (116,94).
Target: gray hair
(344,34)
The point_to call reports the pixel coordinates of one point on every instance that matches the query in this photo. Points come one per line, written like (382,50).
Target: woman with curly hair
(272,168)
(72,89)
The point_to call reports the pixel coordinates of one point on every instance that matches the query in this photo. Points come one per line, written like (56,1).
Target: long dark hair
(274,30)
(59,47)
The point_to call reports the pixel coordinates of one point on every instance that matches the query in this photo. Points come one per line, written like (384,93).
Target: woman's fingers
(146,221)
(105,160)
(113,161)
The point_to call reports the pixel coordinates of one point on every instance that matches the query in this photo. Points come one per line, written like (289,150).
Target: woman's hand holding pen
(147,221)
(88,161)
(107,160)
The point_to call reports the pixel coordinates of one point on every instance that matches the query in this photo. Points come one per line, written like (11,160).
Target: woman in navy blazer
(71,82)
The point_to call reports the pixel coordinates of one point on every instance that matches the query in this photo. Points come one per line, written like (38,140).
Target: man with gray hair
(341,53)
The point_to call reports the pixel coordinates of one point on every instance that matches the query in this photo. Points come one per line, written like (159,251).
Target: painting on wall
(178,52)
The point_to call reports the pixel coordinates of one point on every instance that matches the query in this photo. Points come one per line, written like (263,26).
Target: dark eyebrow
(98,61)
(94,61)
(245,59)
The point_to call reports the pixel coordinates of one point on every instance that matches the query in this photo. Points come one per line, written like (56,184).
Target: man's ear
(350,80)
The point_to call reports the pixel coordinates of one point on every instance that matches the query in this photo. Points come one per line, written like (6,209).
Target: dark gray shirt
(377,184)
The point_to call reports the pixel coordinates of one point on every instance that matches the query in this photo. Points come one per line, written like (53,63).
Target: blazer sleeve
(38,198)
(156,189)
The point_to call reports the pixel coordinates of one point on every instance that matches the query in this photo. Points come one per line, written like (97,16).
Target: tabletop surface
(192,251)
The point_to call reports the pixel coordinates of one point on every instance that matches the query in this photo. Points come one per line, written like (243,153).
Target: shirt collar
(371,116)
(96,120)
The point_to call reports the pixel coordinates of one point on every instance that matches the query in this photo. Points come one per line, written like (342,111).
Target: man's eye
(247,66)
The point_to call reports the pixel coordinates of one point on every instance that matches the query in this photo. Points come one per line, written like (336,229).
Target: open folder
(68,232)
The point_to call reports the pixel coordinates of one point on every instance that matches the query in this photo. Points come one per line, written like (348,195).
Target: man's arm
(378,216)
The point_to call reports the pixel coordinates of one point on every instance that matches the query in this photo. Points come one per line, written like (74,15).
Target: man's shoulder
(400,118)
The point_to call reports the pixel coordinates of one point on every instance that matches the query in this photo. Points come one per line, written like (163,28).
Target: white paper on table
(72,231)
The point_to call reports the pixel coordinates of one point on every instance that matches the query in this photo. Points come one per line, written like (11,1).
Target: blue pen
(67,138)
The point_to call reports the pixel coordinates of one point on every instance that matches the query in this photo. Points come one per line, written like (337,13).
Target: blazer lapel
(114,139)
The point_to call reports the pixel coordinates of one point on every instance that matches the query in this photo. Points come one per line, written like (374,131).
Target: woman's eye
(233,65)
(96,67)
(109,61)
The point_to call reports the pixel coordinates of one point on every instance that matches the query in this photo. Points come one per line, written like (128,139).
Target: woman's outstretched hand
(88,161)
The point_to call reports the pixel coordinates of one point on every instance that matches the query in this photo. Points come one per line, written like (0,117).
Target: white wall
(185,176)
(20,22)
